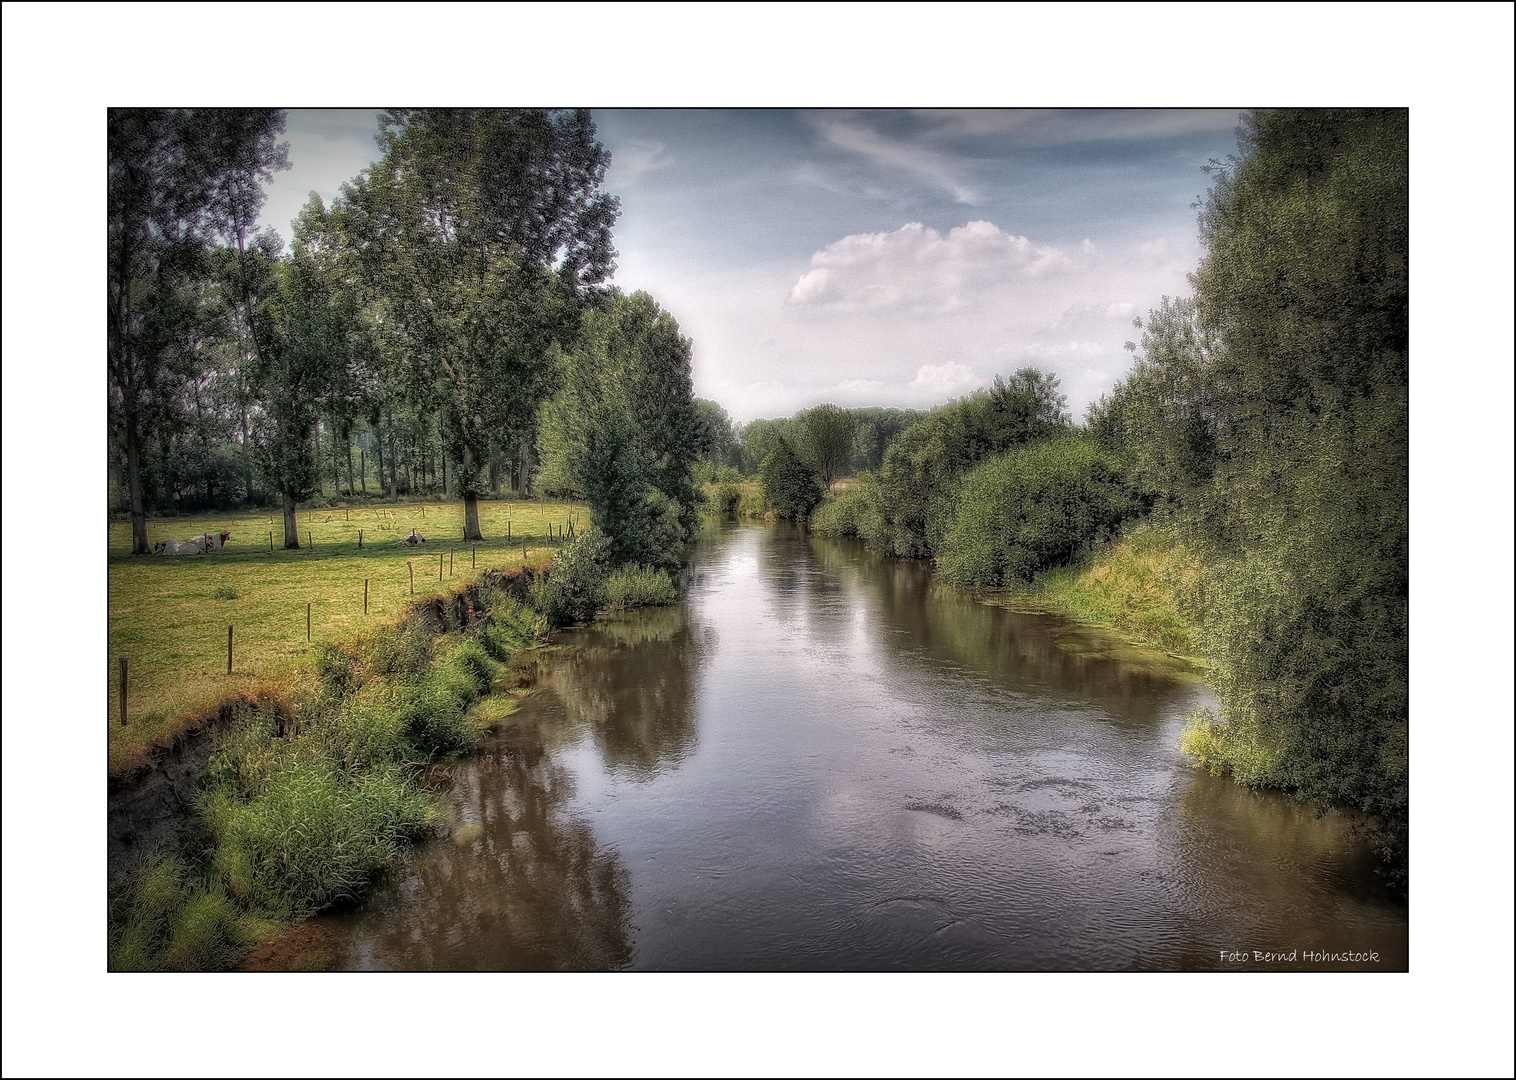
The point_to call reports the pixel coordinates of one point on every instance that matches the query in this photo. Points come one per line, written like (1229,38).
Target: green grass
(168,616)
(639,586)
(1133,587)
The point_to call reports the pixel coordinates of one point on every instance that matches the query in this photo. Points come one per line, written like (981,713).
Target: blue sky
(878,257)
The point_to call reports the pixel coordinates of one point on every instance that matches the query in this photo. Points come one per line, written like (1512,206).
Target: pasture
(168,615)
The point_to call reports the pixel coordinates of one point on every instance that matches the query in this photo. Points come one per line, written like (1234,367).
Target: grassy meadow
(168,615)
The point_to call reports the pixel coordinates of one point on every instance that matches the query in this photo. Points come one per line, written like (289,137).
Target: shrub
(853,512)
(575,587)
(225,592)
(922,468)
(790,484)
(338,668)
(639,586)
(1031,509)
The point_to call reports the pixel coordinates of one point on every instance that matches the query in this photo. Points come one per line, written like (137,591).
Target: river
(825,760)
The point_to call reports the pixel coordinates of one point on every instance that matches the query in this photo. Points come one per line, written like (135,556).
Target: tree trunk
(134,484)
(291,529)
(362,470)
(247,458)
(470,500)
(336,475)
(394,466)
(471,518)
(348,446)
(495,474)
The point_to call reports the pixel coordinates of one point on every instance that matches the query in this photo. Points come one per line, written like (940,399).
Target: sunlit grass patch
(1135,587)
(168,616)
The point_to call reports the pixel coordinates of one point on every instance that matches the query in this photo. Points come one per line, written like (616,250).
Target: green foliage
(759,438)
(624,430)
(852,512)
(876,429)
(715,436)
(827,440)
(790,484)
(1270,415)
(225,592)
(728,495)
(639,586)
(1031,509)
(314,836)
(918,484)
(405,653)
(575,588)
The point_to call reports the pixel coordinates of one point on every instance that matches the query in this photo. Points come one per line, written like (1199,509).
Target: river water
(825,761)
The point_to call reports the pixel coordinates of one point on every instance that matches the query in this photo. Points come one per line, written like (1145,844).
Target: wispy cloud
(919,161)
(1064,126)
(634,158)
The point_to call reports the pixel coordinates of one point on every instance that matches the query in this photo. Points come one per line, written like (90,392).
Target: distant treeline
(1263,426)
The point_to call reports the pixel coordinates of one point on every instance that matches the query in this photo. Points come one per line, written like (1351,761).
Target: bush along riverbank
(309,793)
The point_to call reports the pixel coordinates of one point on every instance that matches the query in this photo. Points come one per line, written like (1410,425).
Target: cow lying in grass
(413,539)
(198,546)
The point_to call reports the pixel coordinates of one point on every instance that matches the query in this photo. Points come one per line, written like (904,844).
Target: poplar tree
(487,227)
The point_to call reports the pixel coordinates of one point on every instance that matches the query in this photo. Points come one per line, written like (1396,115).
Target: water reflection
(521,884)
(633,681)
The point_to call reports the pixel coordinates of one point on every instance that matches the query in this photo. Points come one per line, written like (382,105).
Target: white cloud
(942,381)
(917,269)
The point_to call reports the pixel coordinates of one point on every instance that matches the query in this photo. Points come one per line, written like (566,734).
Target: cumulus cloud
(917,269)
(942,381)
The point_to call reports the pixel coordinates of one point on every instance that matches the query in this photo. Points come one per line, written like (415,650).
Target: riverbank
(294,798)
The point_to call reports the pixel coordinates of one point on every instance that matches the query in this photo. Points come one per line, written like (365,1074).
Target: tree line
(448,294)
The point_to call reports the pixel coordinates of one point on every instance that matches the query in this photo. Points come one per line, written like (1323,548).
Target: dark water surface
(826,761)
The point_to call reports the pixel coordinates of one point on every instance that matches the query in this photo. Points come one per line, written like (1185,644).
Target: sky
(877,257)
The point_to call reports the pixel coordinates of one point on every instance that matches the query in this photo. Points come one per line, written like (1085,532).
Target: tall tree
(175,178)
(488,226)
(828,440)
(624,430)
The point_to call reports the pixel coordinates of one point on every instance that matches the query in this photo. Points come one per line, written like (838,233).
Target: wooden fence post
(271,541)
(475,564)
(308,541)
(439,566)
(365,596)
(411,567)
(307,624)
(123,691)
(228,650)
(360,539)
(450,560)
